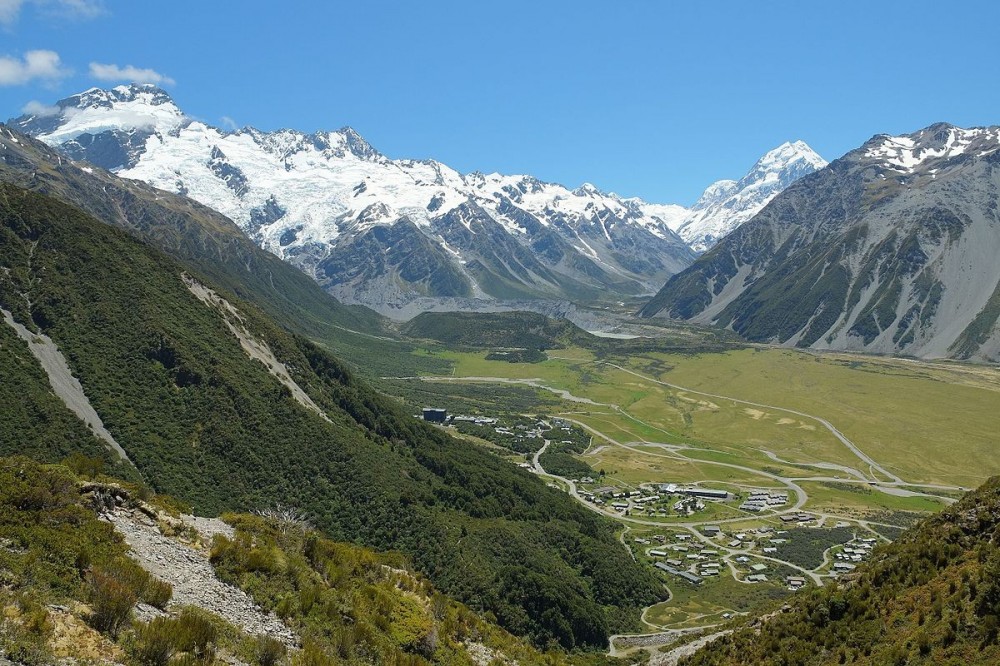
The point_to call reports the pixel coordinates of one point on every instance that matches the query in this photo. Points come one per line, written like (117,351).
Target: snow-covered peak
(726,204)
(294,192)
(937,143)
(715,193)
(588,189)
(134,107)
(788,162)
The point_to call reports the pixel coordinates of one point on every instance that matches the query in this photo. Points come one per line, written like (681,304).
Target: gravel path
(192,576)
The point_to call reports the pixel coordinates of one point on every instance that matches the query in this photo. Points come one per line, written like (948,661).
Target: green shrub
(267,651)
(112,599)
(191,635)
(195,633)
(155,642)
(157,592)
(25,639)
(313,655)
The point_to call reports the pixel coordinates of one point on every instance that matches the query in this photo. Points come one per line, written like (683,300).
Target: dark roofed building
(435,415)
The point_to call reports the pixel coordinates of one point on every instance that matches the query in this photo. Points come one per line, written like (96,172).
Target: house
(707,493)
(757,578)
(711,530)
(691,578)
(843,566)
(795,582)
(657,553)
(759,567)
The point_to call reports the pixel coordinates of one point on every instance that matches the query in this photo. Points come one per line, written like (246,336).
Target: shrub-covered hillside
(204,422)
(522,330)
(70,587)
(932,597)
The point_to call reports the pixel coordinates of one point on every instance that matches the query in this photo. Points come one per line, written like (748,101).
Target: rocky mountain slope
(890,249)
(219,406)
(370,229)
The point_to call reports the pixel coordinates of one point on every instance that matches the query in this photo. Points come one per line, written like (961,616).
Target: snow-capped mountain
(375,230)
(726,204)
(383,232)
(890,249)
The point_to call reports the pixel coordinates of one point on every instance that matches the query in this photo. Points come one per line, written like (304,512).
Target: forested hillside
(204,422)
(527,330)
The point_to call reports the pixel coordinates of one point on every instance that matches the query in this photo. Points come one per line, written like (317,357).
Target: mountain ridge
(323,200)
(889,249)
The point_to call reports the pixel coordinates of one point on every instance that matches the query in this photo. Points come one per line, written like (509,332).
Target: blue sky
(654,99)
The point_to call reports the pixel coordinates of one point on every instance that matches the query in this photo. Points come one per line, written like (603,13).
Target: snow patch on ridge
(906,154)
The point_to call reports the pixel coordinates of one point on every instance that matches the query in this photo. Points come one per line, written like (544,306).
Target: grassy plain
(692,606)
(927,422)
(860,501)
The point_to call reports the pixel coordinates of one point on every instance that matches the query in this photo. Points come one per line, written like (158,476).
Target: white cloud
(36,108)
(73,8)
(40,64)
(228,123)
(111,72)
(10,10)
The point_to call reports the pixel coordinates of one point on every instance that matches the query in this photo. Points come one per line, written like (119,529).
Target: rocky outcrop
(187,569)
